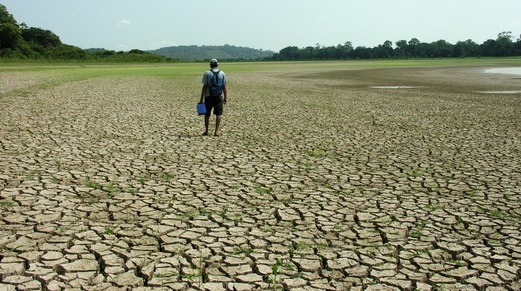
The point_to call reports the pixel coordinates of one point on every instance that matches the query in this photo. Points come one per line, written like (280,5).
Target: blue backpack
(216,84)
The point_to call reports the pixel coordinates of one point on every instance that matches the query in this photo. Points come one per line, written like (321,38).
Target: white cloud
(123,23)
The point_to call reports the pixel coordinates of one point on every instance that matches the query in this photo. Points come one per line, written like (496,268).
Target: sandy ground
(319,181)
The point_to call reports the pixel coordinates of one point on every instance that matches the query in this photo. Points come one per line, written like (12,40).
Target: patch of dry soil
(317,183)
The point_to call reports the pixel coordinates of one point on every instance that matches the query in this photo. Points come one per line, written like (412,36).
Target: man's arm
(225,91)
(203,93)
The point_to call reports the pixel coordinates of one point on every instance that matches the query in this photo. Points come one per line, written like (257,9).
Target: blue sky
(265,24)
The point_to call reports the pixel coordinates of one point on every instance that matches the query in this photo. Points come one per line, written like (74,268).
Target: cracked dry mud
(318,182)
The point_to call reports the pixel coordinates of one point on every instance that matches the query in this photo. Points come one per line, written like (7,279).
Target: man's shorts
(216,103)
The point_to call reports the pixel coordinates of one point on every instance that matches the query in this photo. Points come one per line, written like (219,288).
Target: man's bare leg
(206,123)
(217,124)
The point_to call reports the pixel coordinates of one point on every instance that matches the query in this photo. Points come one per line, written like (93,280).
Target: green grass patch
(81,71)
(263,190)
(417,232)
(6,204)
(316,153)
(91,184)
(167,177)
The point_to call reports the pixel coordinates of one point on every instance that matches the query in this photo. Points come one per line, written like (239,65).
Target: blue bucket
(201,109)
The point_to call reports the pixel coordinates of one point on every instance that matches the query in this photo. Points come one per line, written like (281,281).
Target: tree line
(225,52)
(502,46)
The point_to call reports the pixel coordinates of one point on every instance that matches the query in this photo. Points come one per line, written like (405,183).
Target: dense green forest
(502,46)
(226,52)
(19,42)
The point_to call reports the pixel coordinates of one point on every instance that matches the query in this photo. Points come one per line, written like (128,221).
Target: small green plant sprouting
(317,153)
(61,229)
(58,162)
(432,207)
(269,229)
(91,184)
(191,214)
(496,213)
(301,246)
(167,177)
(415,173)
(142,263)
(263,190)
(35,174)
(237,218)
(13,249)
(223,212)
(327,185)
(202,269)
(141,180)
(276,270)
(202,211)
(198,273)
(460,220)
(472,192)
(6,204)
(418,231)
(109,231)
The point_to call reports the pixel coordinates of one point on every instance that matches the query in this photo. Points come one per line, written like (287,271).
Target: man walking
(214,85)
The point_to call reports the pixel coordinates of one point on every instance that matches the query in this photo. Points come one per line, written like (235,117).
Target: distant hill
(199,53)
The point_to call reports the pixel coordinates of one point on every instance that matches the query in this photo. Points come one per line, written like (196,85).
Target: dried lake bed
(319,181)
